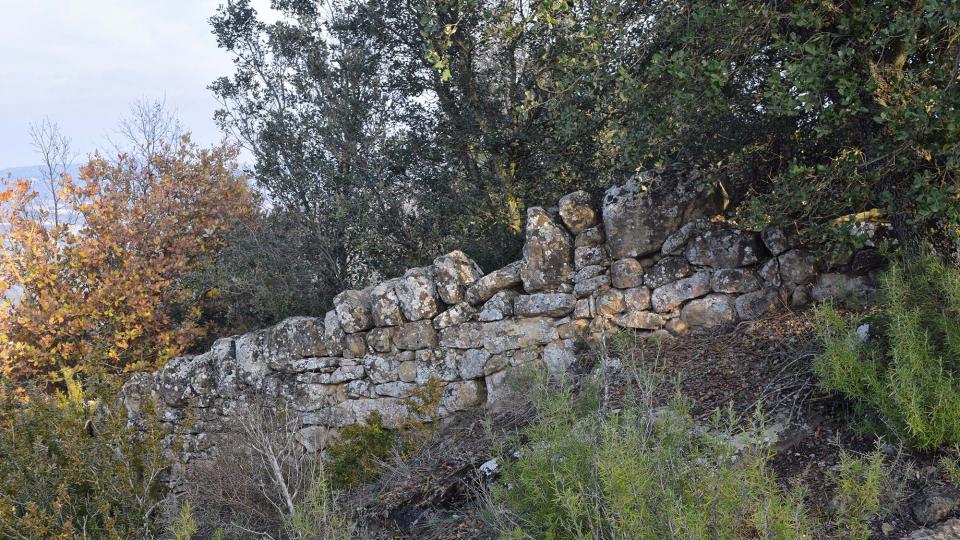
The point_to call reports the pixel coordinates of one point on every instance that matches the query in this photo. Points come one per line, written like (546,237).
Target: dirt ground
(765,364)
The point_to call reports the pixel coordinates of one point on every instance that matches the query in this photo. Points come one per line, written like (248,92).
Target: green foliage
(907,373)
(185,526)
(587,472)
(471,110)
(72,468)
(317,515)
(863,485)
(355,456)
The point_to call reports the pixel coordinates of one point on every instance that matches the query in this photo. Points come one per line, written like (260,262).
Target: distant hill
(33,171)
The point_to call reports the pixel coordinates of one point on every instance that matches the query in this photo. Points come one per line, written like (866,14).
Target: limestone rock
(610,302)
(626,273)
(669,296)
(935,504)
(499,307)
(589,286)
(590,256)
(417,293)
(667,270)
(547,253)
(297,337)
(501,336)
(437,365)
(753,305)
(407,371)
(381,368)
(734,280)
(416,335)
(797,267)
(454,272)
(499,280)
(839,287)
(463,336)
(558,356)
(332,333)
(640,320)
(548,304)
(582,309)
(777,240)
(588,272)
(462,395)
(457,314)
(637,298)
(589,237)
(711,310)
(353,311)
(380,339)
(770,273)
(251,361)
(354,345)
(676,327)
(724,247)
(948,530)
(639,215)
(322,364)
(675,243)
(384,304)
(576,211)
(471,363)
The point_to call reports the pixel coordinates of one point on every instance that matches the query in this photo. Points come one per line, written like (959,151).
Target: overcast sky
(82,62)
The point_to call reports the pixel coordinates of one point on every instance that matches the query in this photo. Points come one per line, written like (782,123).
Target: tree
(807,112)
(111,293)
(56,156)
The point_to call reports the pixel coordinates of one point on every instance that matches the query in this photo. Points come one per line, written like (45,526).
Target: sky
(82,62)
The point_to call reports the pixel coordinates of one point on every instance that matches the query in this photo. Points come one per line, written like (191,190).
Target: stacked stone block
(655,257)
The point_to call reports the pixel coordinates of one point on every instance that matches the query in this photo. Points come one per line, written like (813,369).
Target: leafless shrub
(263,482)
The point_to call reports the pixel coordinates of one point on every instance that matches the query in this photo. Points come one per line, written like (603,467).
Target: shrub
(263,482)
(72,468)
(355,456)
(863,484)
(906,372)
(587,472)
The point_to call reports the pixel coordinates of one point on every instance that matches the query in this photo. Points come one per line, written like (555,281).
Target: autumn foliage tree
(111,293)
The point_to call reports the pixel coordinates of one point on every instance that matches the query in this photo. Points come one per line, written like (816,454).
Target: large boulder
(547,253)
(639,215)
(417,293)
(455,271)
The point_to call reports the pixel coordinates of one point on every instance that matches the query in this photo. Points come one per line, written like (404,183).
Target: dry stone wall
(654,257)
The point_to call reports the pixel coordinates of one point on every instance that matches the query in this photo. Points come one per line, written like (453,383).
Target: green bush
(585,471)
(355,456)
(72,468)
(907,372)
(863,484)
